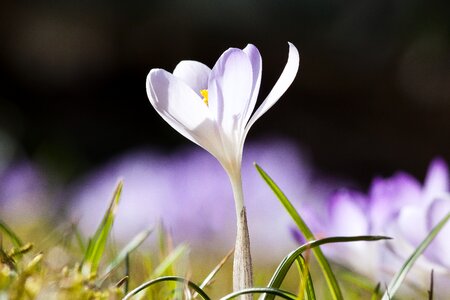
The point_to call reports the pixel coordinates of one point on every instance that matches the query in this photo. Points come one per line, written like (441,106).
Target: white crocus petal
(412,222)
(183,109)
(229,89)
(193,73)
(436,212)
(256,62)
(173,97)
(280,87)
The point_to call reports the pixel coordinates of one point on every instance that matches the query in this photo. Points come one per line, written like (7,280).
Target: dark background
(372,95)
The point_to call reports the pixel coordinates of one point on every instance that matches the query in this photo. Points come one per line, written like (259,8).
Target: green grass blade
(168,261)
(97,243)
(78,238)
(164,240)
(286,263)
(213,273)
(307,283)
(400,276)
(267,290)
(130,247)
(376,292)
(323,262)
(10,233)
(148,284)
(127,274)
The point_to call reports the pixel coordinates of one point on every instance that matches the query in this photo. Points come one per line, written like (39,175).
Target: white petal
(182,108)
(436,212)
(230,87)
(171,96)
(193,73)
(412,223)
(347,214)
(280,87)
(256,62)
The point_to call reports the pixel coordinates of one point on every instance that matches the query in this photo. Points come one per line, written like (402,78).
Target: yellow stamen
(204,93)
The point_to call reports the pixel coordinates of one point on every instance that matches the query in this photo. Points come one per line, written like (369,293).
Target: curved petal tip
(284,81)
(293,56)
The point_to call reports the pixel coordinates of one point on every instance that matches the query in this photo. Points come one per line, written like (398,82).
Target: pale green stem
(236,184)
(242,264)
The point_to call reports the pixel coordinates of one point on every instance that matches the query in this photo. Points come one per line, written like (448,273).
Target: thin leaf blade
(97,243)
(307,286)
(286,263)
(130,247)
(17,242)
(214,272)
(148,284)
(400,276)
(323,262)
(168,261)
(267,290)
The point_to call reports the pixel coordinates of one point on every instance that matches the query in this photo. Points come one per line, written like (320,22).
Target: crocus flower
(400,207)
(213,108)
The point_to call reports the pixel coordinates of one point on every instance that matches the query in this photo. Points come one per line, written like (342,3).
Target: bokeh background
(372,95)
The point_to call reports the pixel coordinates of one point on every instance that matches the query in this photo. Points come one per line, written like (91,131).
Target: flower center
(204,93)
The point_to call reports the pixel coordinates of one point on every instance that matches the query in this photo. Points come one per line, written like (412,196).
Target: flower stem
(242,264)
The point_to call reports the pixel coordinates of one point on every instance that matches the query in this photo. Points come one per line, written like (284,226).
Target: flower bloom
(213,107)
(404,209)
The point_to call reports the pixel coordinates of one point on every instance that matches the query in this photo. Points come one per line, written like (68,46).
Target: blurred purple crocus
(24,193)
(402,208)
(146,181)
